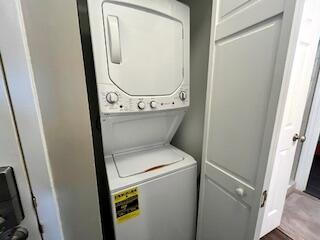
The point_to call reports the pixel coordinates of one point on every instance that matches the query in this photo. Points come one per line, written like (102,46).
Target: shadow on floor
(276,235)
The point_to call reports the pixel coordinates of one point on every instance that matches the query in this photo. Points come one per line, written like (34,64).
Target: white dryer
(141,55)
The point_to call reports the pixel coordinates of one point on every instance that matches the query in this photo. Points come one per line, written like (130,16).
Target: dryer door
(144,50)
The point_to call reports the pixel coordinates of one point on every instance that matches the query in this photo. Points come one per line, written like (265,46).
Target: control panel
(113,100)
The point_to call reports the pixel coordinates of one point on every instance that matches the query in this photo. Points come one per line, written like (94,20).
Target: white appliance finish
(141,53)
(167,195)
(130,132)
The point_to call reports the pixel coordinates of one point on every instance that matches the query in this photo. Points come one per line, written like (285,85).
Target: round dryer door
(144,49)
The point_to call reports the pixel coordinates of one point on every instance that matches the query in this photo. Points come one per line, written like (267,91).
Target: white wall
(189,135)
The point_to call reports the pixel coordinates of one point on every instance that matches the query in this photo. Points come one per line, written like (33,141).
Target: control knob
(183,95)
(141,105)
(112,97)
(153,104)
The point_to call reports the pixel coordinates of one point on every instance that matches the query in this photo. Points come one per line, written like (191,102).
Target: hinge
(263,198)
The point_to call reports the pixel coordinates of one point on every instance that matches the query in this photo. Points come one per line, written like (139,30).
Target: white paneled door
(249,45)
(300,77)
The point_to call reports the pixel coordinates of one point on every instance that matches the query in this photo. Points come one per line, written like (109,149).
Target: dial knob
(141,105)
(183,95)
(153,104)
(112,97)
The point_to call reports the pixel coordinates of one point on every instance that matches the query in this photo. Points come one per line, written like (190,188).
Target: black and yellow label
(127,204)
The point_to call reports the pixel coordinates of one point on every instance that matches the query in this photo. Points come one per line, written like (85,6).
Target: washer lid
(134,163)
(144,49)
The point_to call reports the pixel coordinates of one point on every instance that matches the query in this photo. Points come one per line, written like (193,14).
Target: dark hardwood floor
(276,235)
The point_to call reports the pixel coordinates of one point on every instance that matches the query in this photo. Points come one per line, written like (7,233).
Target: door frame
(312,135)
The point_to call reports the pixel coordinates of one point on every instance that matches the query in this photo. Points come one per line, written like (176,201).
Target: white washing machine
(163,204)
(163,178)
(141,55)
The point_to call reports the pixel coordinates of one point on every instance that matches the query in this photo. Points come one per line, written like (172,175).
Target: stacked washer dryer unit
(141,54)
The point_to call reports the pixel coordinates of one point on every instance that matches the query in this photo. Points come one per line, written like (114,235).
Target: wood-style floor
(300,218)
(276,235)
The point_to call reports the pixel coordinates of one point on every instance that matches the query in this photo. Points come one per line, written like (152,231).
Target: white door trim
(309,146)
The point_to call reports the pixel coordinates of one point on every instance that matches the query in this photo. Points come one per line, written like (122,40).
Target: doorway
(306,166)
(313,185)
(313,182)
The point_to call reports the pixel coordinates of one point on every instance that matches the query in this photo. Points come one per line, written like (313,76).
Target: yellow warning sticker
(127,204)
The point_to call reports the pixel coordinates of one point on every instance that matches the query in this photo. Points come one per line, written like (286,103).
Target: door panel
(235,213)
(240,109)
(228,6)
(248,55)
(303,62)
(230,182)
(254,12)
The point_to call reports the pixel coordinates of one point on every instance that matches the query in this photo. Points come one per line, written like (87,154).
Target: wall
(55,51)
(190,133)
